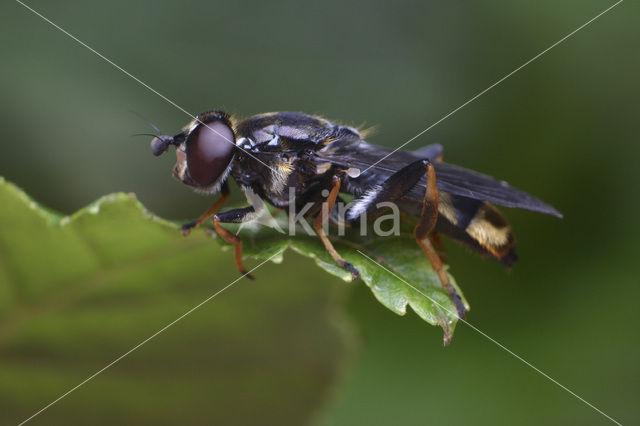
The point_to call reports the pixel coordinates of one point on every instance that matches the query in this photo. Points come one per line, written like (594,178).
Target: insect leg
(234,216)
(322,218)
(436,238)
(425,226)
(187,227)
(395,187)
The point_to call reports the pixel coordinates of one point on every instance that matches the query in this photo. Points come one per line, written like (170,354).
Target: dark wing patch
(352,152)
(432,152)
(467,183)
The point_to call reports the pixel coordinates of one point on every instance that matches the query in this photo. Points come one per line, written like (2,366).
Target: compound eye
(209,151)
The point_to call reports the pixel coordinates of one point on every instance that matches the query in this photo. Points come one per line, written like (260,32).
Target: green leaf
(410,282)
(406,279)
(77,292)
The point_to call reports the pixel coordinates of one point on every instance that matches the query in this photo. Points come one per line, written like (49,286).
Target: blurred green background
(564,128)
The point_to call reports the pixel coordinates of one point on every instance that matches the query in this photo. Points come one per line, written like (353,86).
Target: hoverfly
(275,154)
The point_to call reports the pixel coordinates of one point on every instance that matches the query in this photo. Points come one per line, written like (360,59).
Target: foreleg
(245,214)
(224,192)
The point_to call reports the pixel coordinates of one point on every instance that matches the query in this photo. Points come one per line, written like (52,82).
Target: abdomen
(474,223)
(478,225)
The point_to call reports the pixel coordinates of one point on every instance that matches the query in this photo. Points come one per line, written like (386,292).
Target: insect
(279,154)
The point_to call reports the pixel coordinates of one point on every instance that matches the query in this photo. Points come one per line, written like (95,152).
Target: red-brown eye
(209,152)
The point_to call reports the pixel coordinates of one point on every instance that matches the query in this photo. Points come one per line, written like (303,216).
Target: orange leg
(322,218)
(425,226)
(188,227)
(231,238)
(436,239)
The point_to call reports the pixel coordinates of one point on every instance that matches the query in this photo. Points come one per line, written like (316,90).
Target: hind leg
(395,187)
(425,226)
